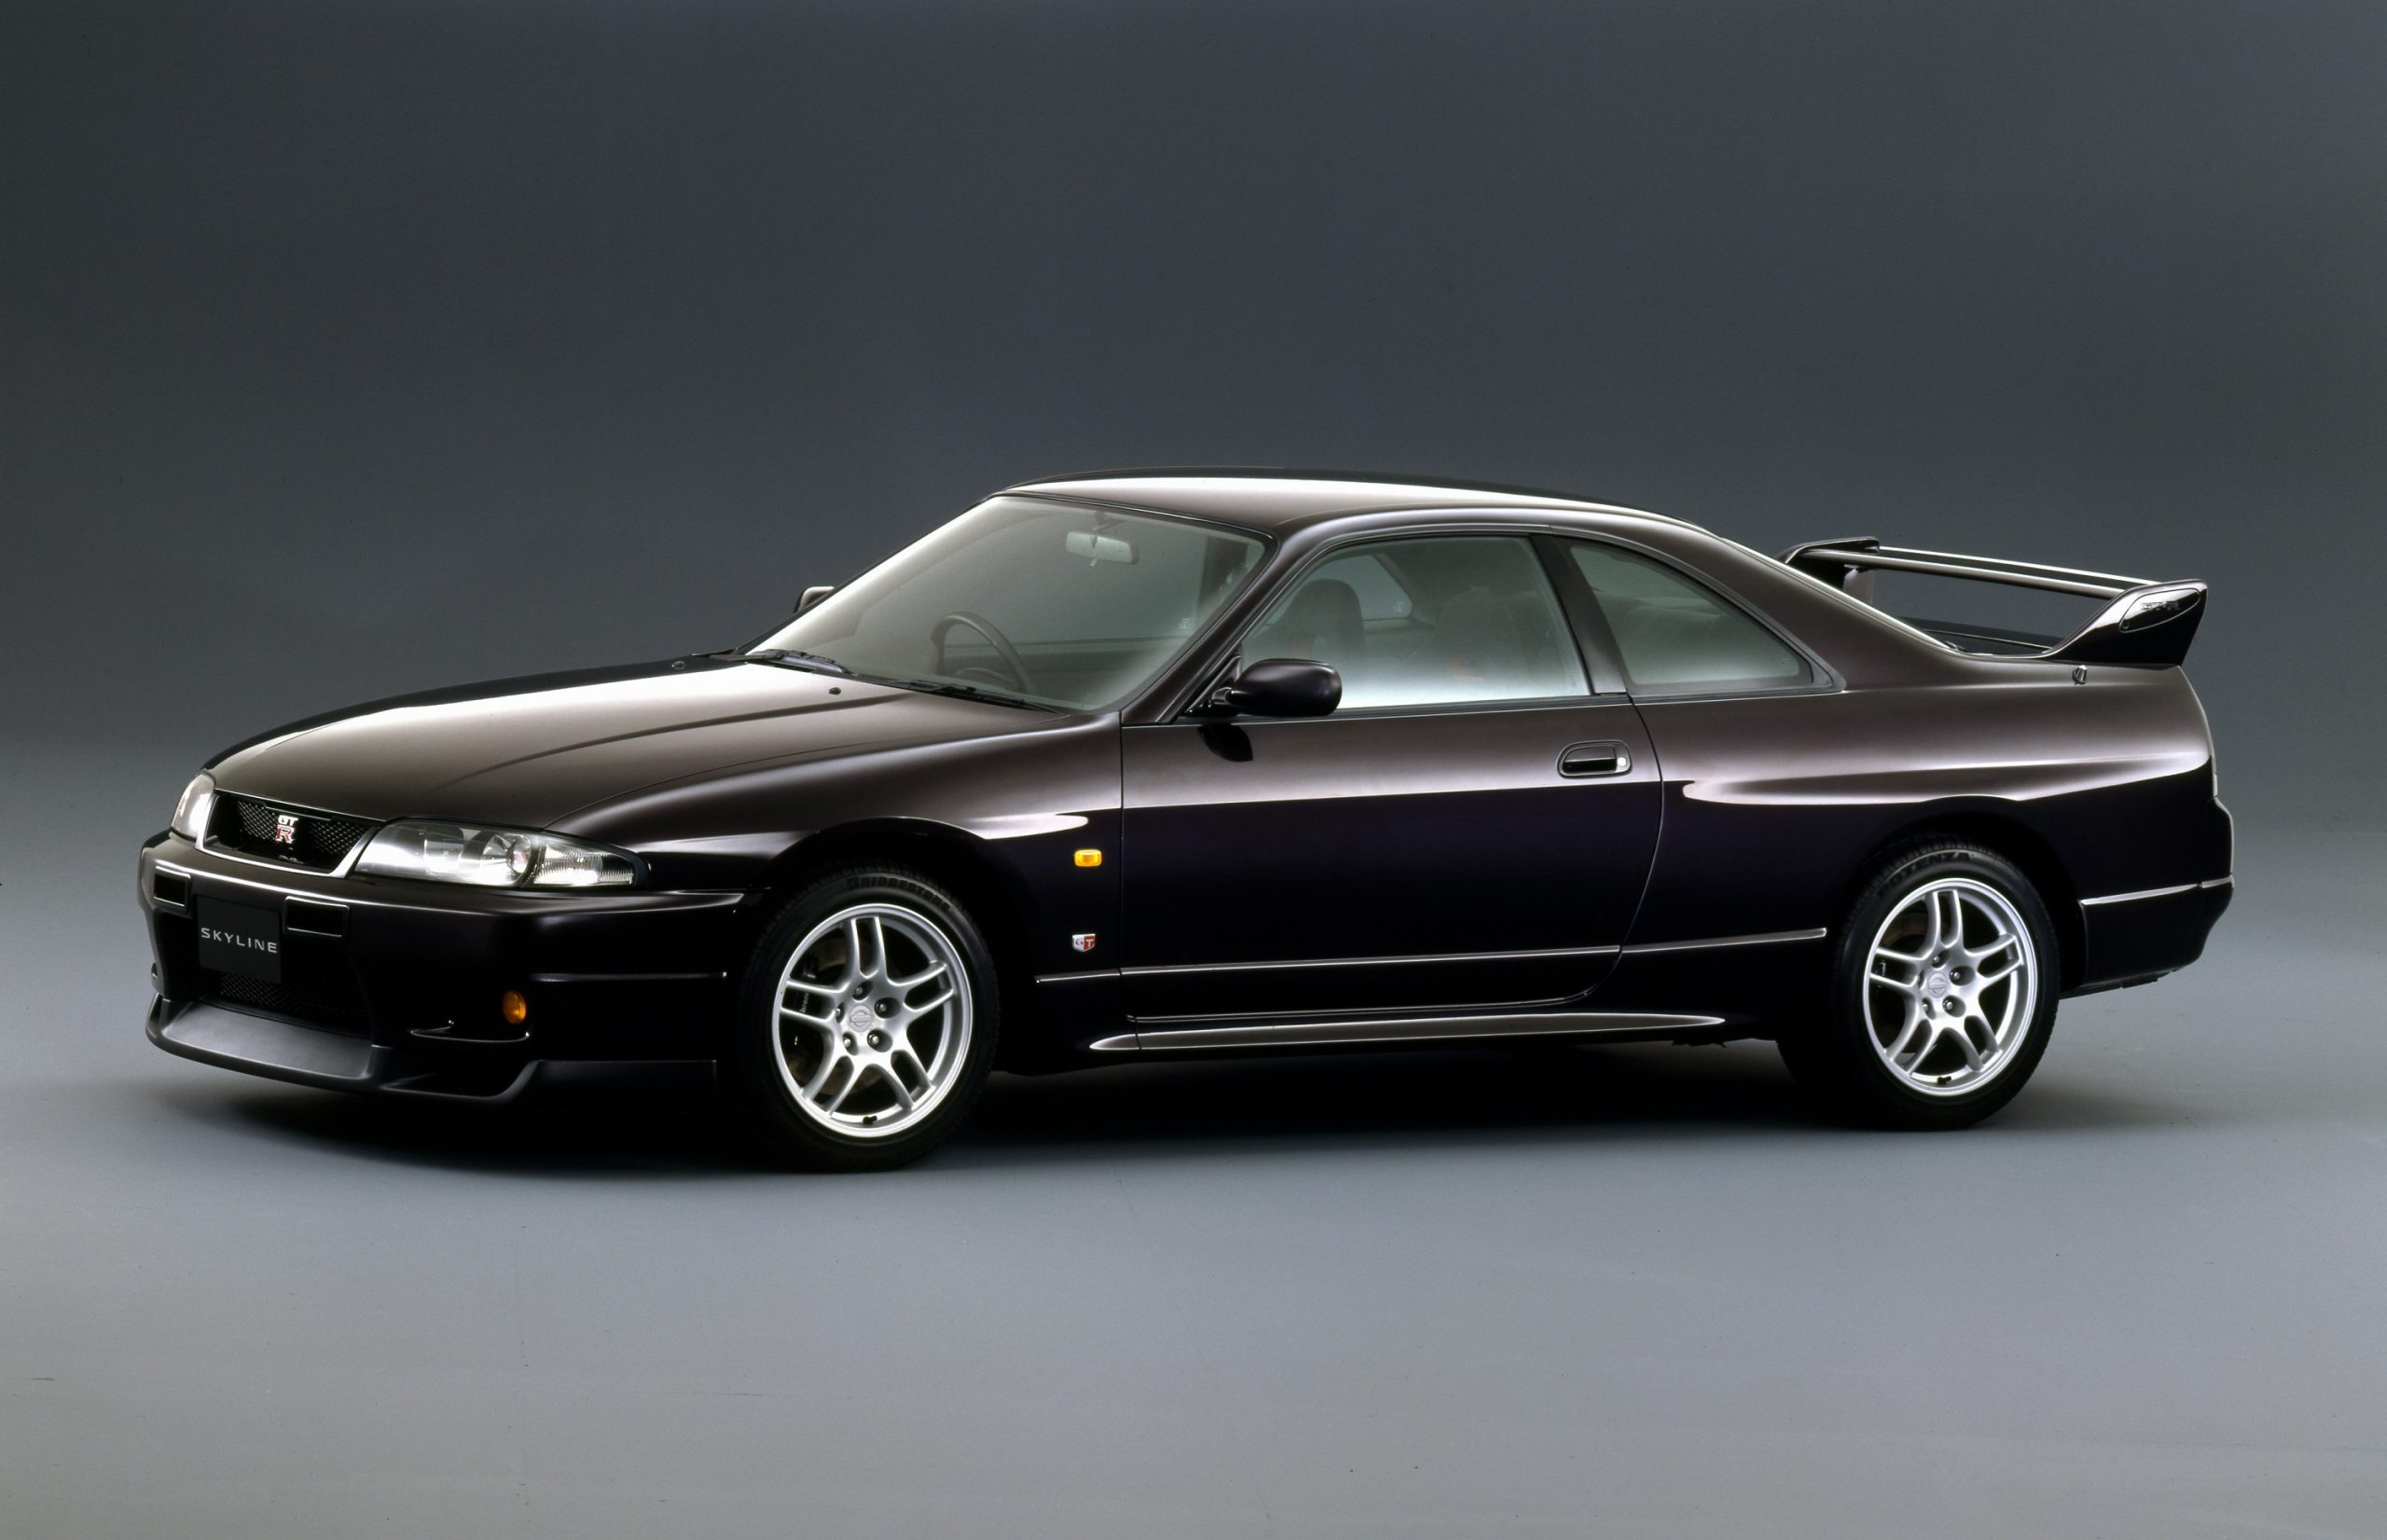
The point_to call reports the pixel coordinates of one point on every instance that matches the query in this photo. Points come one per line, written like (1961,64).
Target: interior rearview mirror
(814,594)
(1279,687)
(1093,547)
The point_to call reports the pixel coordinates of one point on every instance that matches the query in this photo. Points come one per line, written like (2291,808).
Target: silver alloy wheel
(1950,987)
(873,1018)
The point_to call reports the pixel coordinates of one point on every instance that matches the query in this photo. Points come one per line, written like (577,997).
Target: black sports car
(1180,763)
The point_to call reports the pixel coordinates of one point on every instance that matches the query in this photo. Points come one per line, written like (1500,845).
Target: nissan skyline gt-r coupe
(1151,764)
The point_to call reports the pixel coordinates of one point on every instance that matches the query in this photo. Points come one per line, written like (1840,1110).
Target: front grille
(318,841)
(328,1000)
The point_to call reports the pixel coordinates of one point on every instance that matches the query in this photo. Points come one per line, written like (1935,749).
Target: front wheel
(1942,992)
(867,1025)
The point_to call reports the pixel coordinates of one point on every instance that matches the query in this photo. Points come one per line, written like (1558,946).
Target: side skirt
(1313,1033)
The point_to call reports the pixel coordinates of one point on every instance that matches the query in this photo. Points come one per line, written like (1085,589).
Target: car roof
(1271,498)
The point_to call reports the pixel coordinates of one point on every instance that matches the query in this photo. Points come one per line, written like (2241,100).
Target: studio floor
(1633,1291)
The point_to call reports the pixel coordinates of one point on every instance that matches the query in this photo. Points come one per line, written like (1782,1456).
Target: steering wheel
(1004,652)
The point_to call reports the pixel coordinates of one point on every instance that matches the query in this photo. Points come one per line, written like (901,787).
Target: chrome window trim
(1439,708)
(1709,697)
(1393,713)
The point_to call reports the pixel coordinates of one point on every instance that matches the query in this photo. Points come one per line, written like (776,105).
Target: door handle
(1594,759)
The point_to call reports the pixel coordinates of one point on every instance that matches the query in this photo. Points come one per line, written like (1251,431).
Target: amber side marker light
(514,1008)
(1089,857)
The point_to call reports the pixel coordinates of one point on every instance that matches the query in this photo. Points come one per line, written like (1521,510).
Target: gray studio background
(348,348)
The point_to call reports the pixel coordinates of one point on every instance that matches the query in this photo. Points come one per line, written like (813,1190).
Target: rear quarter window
(1676,635)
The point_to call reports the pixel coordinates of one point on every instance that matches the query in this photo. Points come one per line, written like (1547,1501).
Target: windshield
(1049,602)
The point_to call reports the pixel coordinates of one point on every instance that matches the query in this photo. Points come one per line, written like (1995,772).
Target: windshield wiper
(964,692)
(813,660)
(788,658)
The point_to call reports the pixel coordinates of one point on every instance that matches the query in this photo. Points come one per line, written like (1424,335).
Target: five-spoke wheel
(867,1025)
(1952,983)
(873,1020)
(1942,992)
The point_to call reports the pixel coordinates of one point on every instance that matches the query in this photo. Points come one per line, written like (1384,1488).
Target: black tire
(757,1070)
(1836,1056)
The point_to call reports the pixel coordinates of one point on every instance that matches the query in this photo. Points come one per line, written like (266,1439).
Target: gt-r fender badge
(1088,858)
(1082,942)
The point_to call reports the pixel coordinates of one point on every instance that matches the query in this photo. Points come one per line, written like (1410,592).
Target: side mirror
(814,594)
(1278,687)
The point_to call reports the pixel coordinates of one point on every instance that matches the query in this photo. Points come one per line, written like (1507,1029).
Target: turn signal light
(1089,857)
(514,1008)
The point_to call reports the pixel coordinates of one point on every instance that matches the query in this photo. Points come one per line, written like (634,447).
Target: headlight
(492,857)
(191,810)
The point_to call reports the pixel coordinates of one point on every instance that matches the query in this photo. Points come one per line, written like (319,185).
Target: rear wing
(2147,624)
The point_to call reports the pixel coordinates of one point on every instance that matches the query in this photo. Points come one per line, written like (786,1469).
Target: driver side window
(1430,621)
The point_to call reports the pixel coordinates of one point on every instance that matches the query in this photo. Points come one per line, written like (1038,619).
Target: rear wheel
(1942,994)
(867,1023)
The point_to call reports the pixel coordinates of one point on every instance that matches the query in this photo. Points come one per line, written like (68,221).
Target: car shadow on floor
(1583,1095)
(1286,1106)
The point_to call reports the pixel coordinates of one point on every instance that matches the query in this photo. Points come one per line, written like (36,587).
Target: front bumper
(393,986)
(280,1049)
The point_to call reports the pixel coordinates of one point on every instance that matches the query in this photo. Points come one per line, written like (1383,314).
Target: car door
(1473,826)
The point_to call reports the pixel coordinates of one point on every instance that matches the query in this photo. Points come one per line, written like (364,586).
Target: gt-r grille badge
(285,828)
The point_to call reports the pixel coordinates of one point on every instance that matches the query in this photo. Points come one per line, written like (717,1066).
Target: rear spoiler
(2147,624)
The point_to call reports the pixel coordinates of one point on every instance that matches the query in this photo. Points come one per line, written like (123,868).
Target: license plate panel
(239,938)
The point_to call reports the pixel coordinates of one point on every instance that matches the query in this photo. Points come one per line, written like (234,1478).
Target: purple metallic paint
(1433,837)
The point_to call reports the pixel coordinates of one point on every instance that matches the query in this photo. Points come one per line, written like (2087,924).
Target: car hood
(530,752)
